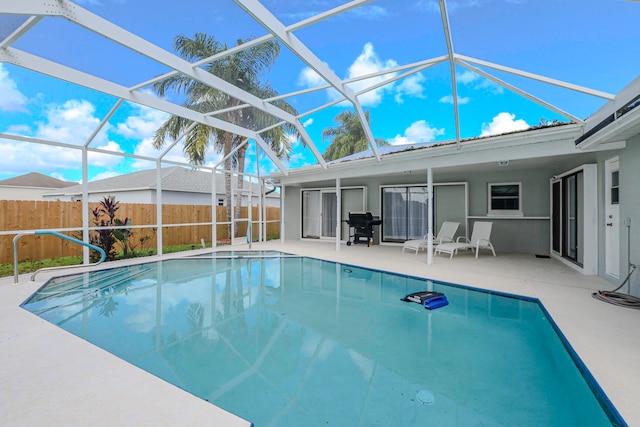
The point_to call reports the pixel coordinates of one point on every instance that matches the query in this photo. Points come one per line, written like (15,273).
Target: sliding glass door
(405,210)
(566,224)
(318,214)
(394,214)
(319,211)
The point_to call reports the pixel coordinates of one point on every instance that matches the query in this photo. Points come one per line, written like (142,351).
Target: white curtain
(394,213)
(311,214)
(418,213)
(329,214)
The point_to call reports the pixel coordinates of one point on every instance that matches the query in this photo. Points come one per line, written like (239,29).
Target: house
(180,186)
(563,190)
(30,186)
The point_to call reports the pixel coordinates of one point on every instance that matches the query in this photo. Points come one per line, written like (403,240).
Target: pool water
(293,341)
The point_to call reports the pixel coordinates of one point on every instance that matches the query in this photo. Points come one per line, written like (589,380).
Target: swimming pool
(285,340)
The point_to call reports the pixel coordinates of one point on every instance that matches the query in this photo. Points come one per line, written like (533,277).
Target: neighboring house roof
(174,178)
(36,180)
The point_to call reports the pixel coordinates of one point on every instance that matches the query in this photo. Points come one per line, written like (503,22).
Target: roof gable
(36,180)
(174,178)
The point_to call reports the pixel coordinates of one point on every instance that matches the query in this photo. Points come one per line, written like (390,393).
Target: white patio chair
(480,239)
(446,234)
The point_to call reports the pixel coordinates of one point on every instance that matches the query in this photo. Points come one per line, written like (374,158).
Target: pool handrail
(103,255)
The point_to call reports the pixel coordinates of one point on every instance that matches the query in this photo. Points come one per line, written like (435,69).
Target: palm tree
(348,137)
(244,70)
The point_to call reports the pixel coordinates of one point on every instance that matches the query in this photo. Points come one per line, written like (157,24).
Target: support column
(159,206)
(282,213)
(214,208)
(338,213)
(85,205)
(429,216)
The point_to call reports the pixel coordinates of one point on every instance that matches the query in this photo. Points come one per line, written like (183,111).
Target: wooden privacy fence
(17,215)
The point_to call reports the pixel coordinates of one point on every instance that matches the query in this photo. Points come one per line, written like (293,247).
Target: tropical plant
(348,137)
(243,69)
(124,236)
(106,238)
(102,238)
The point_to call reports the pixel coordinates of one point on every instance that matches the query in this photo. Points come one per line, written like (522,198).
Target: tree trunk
(228,146)
(241,158)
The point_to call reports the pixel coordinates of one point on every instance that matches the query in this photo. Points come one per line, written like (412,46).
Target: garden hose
(618,298)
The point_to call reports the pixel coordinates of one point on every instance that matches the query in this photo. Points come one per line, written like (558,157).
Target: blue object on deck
(429,299)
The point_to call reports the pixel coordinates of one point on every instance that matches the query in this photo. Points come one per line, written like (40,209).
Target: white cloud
(449,100)
(467,77)
(368,62)
(297,159)
(411,86)
(104,175)
(103,159)
(11,99)
(23,157)
(477,82)
(490,86)
(309,78)
(307,123)
(145,148)
(71,123)
(419,131)
(143,124)
(373,13)
(19,129)
(503,123)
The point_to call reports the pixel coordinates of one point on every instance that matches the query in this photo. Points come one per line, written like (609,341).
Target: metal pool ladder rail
(103,255)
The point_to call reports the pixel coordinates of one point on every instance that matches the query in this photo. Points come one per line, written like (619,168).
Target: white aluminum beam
(419,66)
(262,143)
(452,66)
(262,39)
(103,122)
(256,10)
(62,72)
(20,31)
(396,78)
(173,144)
(537,77)
(520,92)
(98,25)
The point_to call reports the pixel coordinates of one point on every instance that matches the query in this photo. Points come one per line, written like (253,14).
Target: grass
(29,266)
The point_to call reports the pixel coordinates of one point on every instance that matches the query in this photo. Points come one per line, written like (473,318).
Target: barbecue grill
(361,227)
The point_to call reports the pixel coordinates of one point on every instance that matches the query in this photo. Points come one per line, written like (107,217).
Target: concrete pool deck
(52,377)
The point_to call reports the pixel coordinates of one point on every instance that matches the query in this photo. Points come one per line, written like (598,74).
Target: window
(505,198)
(615,188)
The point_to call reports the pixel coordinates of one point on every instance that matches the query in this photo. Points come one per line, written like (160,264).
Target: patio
(51,376)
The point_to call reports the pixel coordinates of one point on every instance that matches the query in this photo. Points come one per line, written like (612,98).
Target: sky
(590,43)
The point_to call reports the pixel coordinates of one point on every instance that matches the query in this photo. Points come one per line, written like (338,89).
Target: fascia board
(620,129)
(536,144)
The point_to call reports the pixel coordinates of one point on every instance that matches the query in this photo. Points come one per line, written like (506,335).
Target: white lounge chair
(480,239)
(446,234)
